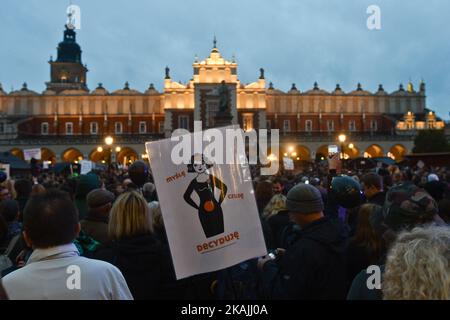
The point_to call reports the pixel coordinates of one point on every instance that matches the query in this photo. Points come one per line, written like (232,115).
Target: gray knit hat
(304,199)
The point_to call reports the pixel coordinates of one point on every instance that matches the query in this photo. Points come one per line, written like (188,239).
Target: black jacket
(144,264)
(378,199)
(313,267)
(278,224)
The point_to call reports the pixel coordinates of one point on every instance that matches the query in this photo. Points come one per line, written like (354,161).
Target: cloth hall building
(69,122)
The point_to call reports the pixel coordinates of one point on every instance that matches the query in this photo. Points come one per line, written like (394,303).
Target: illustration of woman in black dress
(204,184)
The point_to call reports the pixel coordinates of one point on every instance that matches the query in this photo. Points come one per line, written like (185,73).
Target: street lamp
(109,140)
(272,157)
(342,138)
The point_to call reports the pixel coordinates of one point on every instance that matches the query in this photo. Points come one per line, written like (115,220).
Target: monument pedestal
(223,119)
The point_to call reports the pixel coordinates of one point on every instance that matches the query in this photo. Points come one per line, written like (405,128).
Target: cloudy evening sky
(295,41)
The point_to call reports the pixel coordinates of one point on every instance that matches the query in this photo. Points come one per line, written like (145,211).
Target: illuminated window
(142,127)
(373,125)
(161,127)
(286,126)
(118,128)
(183,122)
(44,128)
(330,125)
(69,128)
(94,127)
(352,125)
(308,126)
(247,122)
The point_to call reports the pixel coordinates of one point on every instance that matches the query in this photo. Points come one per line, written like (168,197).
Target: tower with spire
(67,72)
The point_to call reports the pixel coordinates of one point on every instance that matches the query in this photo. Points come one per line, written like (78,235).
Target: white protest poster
(420,164)
(288,163)
(28,154)
(86,166)
(208,207)
(5,167)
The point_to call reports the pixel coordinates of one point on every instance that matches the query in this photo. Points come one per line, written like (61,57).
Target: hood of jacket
(328,231)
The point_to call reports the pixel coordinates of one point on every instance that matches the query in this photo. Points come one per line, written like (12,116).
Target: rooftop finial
(70,18)
(410,87)
(261,73)
(167,72)
(422,85)
(271,86)
(215,42)
(316,86)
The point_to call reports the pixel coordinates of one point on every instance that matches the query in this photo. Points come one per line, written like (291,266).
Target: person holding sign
(313,266)
(204,184)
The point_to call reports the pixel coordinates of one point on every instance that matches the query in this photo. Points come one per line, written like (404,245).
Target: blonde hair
(418,265)
(276,204)
(129,216)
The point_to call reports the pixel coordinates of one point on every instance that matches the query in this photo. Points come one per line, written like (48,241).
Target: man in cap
(95,225)
(85,184)
(313,267)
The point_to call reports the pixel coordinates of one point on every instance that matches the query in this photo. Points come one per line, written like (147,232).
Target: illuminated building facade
(69,122)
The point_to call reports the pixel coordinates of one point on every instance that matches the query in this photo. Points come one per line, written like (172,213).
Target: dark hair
(366,235)
(3,230)
(50,219)
(263,194)
(278,180)
(372,180)
(23,188)
(9,209)
(444,210)
(191,164)
(131,186)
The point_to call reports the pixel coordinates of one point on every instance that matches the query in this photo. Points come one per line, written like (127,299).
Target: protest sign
(209,209)
(288,163)
(29,154)
(86,166)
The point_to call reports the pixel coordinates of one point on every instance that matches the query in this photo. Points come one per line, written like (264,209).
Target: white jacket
(59,273)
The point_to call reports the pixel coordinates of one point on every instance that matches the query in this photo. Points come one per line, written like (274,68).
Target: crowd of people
(328,231)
